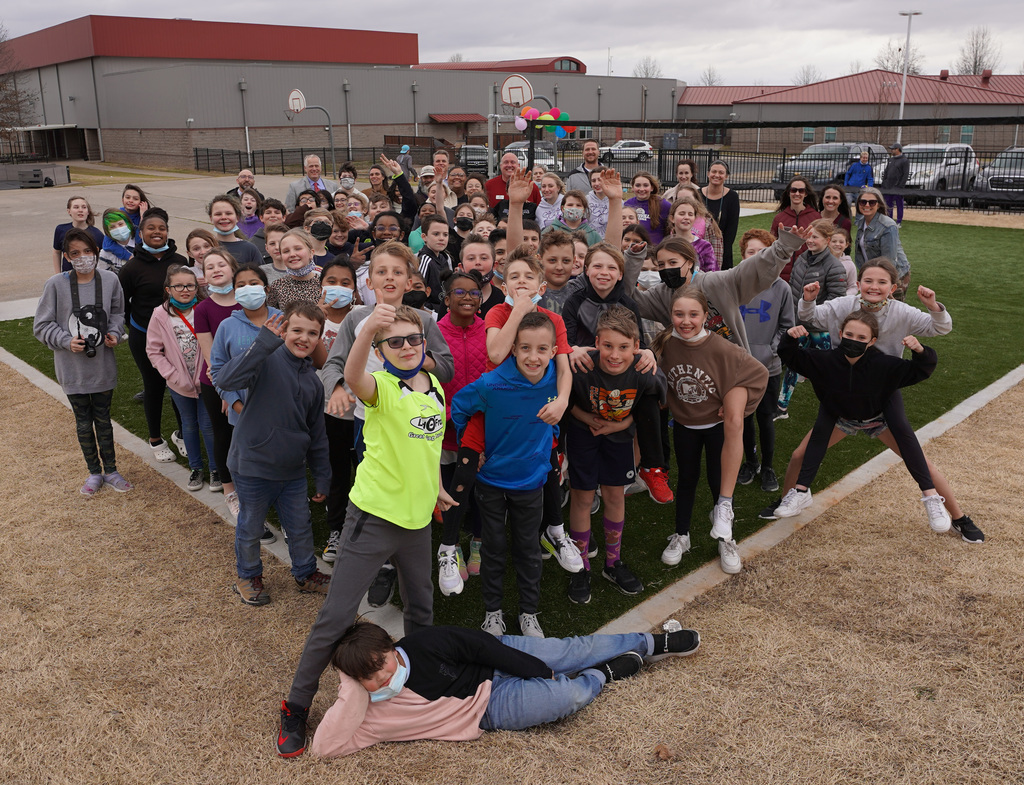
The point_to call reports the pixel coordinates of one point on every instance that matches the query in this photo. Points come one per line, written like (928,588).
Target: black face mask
(465,224)
(321,230)
(414,299)
(672,277)
(852,348)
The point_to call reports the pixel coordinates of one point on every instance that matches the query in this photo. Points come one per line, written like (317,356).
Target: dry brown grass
(863,649)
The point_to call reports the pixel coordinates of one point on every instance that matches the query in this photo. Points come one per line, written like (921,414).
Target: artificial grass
(964,265)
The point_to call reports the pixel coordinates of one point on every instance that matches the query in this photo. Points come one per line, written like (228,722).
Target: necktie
(316,187)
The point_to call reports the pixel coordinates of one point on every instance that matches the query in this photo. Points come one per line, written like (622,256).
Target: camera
(92,340)
(95,317)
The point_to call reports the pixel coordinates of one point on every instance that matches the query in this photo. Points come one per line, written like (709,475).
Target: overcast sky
(746,41)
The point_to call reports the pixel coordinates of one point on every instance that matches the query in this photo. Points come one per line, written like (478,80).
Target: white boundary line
(652,612)
(389,617)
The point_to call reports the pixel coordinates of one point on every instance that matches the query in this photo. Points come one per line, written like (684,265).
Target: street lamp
(906,63)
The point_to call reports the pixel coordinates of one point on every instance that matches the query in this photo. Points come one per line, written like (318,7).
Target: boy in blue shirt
(518,448)
(280,430)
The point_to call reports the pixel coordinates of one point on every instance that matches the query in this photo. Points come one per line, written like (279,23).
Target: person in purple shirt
(651,209)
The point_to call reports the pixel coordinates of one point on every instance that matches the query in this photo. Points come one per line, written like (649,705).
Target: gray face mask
(348,183)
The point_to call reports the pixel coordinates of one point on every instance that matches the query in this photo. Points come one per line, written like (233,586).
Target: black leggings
(341,447)
(689,443)
(153,384)
(900,428)
(95,432)
(222,430)
(647,417)
(765,415)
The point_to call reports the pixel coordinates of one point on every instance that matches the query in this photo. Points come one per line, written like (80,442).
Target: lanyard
(189,326)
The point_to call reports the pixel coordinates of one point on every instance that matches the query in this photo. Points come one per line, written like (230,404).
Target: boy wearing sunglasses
(397,481)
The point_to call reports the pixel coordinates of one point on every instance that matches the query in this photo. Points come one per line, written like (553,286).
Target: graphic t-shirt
(612,397)
(187,342)
(397,480)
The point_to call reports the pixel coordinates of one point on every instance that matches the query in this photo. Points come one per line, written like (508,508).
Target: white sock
(556,532)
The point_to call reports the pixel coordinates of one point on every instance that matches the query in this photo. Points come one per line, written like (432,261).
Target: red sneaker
(657,485)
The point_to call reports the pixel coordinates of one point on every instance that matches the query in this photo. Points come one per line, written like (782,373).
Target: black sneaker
(968,531)
(769,480)
(579,587)
(195,480)
(623,578)
(291,736)
(681,643)
(383,587)
(215,484)
(139,397)
(768,513)
(622,667)
(268,537)
(748,471)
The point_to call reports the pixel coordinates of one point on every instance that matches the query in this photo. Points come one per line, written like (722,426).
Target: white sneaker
(231,500)
(729,555)
(494,623)
(529,626)
(162,452)
(721,521)
(678,544)
(179,443)
(793,503)
(938,516)
(564,550)
(449,581)
(331,551)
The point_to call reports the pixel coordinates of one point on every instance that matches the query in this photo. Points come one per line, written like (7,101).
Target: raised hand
(520,186)
(390,165)
(913,344)
(611,184)
(276,324)
(811,291)
(927,298)
(797,332)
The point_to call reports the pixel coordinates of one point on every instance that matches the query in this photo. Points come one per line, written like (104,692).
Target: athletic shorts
(871,427)
(597,460)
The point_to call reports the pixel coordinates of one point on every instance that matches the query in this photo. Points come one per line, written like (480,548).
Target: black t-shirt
(613,397)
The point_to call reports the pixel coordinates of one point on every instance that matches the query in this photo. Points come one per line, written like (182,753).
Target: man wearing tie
(311,180)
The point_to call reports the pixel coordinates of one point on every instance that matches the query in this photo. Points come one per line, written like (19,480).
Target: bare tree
(456,58)
(710,77)
(980,51)
(890,58)
(648,68)
(15,102)
(808,75)
(855,67)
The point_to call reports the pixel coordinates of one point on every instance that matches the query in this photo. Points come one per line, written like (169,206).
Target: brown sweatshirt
(699,376)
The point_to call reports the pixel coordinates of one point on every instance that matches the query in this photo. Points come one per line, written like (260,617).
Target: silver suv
(941,167)
(1002,181)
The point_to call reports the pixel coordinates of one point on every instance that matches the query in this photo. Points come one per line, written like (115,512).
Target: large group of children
(537,348)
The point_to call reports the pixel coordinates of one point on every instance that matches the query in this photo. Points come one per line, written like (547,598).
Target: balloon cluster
(555,116)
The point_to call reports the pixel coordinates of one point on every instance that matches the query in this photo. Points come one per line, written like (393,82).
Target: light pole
(906,63)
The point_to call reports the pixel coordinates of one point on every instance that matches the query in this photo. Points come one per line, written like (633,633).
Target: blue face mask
(302,270)
(183,306)
(509,301)
(121,233)
(151,249)
(227,232)
(225,289)
(251,297)
(402,374)
(393,687)
(338,296)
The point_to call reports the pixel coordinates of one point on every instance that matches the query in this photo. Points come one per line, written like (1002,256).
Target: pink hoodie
(354,723)
(165,354)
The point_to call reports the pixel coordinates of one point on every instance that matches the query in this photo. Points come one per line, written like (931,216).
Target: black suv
(827,163)
(473,157)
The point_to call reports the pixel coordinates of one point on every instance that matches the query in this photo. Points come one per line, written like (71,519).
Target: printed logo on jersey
(429,425)
(691,384)
(614,405)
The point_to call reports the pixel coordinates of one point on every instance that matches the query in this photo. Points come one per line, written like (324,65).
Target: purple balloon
(521,123)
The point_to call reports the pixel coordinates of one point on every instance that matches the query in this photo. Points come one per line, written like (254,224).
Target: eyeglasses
(183,287)
(798,190)
(867,202)
(397,341)
(476,294)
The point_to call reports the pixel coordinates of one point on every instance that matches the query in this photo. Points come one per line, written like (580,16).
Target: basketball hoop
(516,91)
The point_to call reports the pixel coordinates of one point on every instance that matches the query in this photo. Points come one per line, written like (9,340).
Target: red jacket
(789,218)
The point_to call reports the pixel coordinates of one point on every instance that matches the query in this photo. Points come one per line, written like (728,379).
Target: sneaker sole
(770,488)
(618,586)
(451,591)
(252,603)
(295,754)
(119,490)
(656,501)
(581,602)
(731,570)
(965,539)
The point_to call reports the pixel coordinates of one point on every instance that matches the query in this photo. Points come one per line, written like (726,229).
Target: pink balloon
(533,114)
(521,123)
(553,111)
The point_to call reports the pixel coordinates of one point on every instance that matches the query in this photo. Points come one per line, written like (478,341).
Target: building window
(583,133)
(830,134)
(967,134)
(567,65)
(808,133)
(943,137)
(715,136)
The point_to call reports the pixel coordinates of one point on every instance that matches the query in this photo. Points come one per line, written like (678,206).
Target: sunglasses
(476,294)
(798,190)
(867,202)
(397,341)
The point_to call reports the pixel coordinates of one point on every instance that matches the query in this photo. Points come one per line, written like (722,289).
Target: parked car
(1002,180)
(627,150)
(473,157)
(941,167)
(827,163)
(543,153)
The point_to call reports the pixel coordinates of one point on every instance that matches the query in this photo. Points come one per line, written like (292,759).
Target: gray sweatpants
(366,543)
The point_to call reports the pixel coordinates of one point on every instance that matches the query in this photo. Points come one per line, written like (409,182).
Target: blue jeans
(194,420)
(255,495)
(523,703)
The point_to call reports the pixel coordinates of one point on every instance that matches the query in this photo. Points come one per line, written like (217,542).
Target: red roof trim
(458,118)
(185,39)
(529,65)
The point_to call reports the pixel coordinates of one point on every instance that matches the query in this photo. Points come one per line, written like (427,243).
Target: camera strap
(76,306)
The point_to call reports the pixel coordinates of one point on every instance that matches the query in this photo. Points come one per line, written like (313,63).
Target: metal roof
(458,118)
(871,87)
(530,65)
(185,39)
(721,95)
(1005,83)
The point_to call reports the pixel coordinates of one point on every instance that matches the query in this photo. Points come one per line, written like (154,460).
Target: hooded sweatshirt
(142,279)
(767,317)
(234,335)
(517,442)
(584,307)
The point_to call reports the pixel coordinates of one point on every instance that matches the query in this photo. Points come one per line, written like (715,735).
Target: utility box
(670,141)
(30,178)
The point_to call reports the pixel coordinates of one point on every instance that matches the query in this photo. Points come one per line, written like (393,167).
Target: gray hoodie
(767,316)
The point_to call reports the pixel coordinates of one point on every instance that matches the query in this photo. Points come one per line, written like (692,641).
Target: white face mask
(84,264)
(648,278)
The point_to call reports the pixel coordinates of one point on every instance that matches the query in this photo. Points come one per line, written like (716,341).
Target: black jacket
(142,279)
(897,172)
